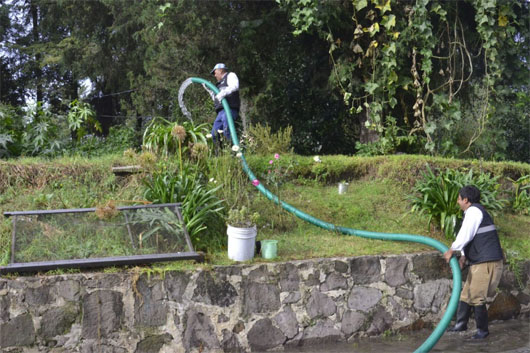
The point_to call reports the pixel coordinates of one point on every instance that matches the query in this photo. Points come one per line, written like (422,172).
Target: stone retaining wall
(238,308)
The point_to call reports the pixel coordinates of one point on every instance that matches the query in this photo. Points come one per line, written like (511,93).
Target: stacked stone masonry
(240,308)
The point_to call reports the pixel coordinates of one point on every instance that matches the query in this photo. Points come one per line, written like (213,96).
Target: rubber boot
(462,316)
(481,318)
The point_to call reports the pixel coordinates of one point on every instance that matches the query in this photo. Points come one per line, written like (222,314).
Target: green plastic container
(269,249)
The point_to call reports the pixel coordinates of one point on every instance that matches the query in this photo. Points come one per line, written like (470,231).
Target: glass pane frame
(95,262)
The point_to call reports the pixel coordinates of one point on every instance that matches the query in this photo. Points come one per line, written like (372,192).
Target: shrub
(436,195)
(515,263)
(393,139)
(45,134)
(10,131)
(262,140)
(119,139)
(81,119)
(242,218)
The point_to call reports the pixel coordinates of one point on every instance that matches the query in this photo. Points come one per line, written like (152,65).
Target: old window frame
(38,266)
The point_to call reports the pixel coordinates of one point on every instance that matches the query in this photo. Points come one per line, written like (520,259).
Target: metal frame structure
(20,267)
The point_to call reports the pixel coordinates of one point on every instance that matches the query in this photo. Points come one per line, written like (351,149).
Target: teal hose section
(457,276)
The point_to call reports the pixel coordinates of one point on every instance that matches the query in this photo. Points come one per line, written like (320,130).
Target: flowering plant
(277,172)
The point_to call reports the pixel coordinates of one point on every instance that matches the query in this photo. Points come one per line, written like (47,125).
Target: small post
(13,239)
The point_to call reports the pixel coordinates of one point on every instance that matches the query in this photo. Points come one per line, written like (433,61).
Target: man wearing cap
(228,85)
(480,246)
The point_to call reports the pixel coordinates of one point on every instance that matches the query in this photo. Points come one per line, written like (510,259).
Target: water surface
(511,336)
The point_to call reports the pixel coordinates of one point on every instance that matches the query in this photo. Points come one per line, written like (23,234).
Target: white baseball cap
(219,66)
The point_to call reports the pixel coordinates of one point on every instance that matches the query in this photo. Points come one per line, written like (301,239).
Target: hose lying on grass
(457,276)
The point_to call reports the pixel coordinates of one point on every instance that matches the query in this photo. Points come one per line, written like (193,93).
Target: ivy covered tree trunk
(34,11)
(448,60)
(367,135)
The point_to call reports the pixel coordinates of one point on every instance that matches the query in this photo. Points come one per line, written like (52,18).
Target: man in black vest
(480,246)
(228,85)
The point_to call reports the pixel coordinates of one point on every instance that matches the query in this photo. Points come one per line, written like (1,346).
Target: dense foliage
(446,72)
(366,76)
(436,195)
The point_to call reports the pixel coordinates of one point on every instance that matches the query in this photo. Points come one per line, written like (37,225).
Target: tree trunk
(367,135)
(38,72)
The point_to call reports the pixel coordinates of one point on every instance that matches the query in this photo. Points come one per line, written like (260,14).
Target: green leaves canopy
(403,69)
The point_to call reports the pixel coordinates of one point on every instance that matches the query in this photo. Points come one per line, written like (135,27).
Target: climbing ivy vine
(419,70)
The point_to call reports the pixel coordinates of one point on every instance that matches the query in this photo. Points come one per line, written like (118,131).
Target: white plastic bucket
(241,243)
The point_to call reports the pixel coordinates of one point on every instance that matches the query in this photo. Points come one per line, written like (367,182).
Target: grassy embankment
(375,201)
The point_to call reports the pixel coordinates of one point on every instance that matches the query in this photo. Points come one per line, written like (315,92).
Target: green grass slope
(375,201)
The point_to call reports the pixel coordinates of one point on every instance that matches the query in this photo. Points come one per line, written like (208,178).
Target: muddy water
(512,336)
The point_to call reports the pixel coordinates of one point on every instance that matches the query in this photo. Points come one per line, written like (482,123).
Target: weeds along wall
(237,308)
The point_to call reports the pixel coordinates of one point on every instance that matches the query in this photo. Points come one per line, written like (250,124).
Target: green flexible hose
(457,276)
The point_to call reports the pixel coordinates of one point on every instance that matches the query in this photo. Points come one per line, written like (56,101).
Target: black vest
(485,246)
(232,98)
